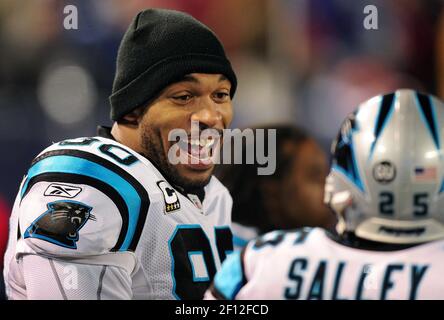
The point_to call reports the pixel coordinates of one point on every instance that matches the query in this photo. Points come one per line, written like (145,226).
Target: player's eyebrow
(222,78)
(190,78)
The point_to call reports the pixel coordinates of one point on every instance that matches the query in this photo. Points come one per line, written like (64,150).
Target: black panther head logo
(61,223)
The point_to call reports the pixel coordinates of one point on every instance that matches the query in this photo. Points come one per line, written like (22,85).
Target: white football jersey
(95,220)
(309,264)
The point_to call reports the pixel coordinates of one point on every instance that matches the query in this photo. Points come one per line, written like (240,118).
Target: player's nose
(208,114)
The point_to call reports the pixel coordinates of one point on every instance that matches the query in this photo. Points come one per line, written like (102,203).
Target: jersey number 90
(193,265)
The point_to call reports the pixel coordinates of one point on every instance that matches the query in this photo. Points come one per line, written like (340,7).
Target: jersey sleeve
(52,279)
(229,280)
(66,247)
(88,223)
(77,203)
(79,210)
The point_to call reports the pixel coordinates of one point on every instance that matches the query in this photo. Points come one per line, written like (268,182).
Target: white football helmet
(386,179)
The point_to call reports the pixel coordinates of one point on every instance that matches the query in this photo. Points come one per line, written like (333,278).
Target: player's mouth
(200,152)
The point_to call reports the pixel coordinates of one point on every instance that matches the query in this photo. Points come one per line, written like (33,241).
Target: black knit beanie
(159,48)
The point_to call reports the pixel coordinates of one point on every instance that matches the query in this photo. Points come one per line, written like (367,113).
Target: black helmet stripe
(428,116)
(382,118)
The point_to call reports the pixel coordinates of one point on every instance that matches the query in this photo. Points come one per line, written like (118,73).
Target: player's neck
(126,135)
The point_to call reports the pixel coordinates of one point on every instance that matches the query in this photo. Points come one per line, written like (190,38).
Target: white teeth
(208,143)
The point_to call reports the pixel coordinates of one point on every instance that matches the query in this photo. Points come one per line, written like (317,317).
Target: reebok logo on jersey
(62,190)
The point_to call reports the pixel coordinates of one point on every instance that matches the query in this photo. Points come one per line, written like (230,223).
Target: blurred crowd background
(303,62)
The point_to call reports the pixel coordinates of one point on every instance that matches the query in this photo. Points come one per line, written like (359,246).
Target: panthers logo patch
(61,223)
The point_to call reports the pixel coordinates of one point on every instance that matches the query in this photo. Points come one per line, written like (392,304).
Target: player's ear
(133,118)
